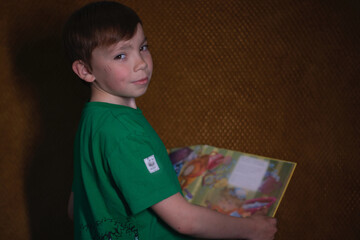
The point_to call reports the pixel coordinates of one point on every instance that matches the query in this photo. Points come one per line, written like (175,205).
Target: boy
(124,186)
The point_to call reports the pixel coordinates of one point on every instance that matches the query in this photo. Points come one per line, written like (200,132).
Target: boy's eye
(144,48)
(120,56)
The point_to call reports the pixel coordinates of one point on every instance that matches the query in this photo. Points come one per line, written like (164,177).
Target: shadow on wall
(57,97)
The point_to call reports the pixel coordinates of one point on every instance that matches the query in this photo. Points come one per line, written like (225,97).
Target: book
(231,182)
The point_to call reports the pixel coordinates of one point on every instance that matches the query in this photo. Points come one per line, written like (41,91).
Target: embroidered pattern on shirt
(119,230)
(151,164)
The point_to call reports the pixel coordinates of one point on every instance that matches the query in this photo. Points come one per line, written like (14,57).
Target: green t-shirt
(121,168)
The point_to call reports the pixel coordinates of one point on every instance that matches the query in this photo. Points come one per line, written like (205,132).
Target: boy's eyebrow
(127,46)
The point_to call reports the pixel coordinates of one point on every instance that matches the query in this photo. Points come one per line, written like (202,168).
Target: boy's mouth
(142,81)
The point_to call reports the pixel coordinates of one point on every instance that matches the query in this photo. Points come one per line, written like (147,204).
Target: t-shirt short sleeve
(144,175)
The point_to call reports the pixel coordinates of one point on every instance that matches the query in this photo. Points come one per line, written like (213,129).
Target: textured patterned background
(274,78)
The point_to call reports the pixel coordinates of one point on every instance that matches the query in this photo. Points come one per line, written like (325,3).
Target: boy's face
(122,71)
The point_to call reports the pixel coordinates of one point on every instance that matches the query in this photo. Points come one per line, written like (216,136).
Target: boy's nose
(140,64)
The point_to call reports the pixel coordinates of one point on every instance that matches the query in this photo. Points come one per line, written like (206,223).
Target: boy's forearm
(211,224)
(205,223)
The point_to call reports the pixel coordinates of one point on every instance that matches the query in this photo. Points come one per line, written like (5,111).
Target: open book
(231,182)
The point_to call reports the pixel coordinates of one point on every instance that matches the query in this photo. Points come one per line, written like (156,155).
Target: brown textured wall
(275,78)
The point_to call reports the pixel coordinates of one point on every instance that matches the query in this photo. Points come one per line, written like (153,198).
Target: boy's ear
(82,70)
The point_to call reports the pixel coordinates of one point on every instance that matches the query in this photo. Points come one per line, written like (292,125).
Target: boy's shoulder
(110,120)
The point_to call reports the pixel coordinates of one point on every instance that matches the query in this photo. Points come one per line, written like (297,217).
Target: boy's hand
(265,227)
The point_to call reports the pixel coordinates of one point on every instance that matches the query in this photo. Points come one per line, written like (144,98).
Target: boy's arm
(71,206)
(197,221)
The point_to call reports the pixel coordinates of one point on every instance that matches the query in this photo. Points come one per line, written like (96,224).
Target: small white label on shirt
(151,164)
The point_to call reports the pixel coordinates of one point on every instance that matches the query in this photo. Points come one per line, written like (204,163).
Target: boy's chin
(141,93)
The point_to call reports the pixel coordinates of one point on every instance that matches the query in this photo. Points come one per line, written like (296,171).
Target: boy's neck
(100,96)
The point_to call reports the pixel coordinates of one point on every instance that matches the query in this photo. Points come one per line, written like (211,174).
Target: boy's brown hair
(95,25)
